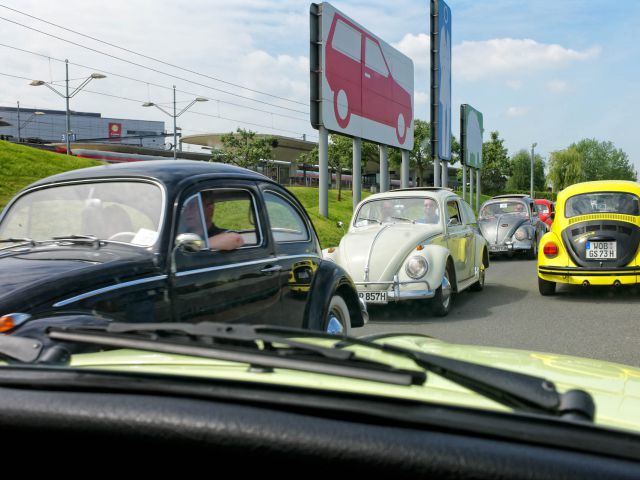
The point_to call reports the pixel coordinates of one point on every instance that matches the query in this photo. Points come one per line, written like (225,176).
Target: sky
(540,71)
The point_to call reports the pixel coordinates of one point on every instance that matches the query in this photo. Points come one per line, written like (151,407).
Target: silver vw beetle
(510,224)
(412,244)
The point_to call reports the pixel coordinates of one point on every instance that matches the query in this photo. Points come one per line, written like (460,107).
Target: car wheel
(442,299)
(479,285)
(546,288)
(341,108)
(533,253)
(338,317)
(401,128)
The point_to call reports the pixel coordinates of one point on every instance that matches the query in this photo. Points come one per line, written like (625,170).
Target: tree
(565,168)
(496,167)
(520,178)
(602,161)
(589,160)
(340,156)
(420,156)
(244,149)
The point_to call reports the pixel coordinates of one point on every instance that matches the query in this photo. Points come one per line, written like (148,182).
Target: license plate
(373,297)
(601,250)
(498,248)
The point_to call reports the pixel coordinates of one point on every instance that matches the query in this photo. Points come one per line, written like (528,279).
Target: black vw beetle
(163,241)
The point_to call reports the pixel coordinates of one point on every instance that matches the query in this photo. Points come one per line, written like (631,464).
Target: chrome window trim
(163,192)
(242,264)
(301,214)
(260,239)
(110,288)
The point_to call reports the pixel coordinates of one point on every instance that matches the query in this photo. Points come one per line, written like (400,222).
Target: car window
(504,207)
(453,213)
(347,40)
(287,225)
(214,212)
(374,58)
(602,202)
(127,212)
(398,210)
(468,216)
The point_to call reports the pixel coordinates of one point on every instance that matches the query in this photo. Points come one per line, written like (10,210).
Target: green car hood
(614,387)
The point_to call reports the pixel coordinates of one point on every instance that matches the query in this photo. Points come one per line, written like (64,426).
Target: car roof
(168,172)
(600,186)
(428,192)
(521,196)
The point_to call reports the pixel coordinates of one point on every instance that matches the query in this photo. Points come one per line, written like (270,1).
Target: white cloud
(416,47)
(476,60)
(558,86)
(517,111)
(514,84)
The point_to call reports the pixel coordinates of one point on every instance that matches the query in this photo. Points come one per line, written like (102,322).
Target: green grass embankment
(21,165)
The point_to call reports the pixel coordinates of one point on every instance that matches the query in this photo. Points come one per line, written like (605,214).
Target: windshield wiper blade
(404,218)
(239,343)
(20,241)
(516,390)
(91,239)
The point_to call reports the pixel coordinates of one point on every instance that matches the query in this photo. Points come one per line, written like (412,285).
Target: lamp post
(532,160)
(20,126)
(175,116)
(67,96)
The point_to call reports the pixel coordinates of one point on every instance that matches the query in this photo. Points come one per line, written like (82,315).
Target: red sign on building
(115,130)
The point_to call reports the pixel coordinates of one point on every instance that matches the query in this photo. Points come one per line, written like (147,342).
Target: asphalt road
(596,322)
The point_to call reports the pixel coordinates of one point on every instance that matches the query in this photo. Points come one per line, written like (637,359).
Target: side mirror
(189,242)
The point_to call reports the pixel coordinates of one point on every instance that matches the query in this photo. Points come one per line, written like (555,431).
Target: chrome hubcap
(446,290)
(334,325)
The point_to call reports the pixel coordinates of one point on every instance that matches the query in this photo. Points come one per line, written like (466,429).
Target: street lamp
(532,157)
(20,126)
(67,96)
(175,116)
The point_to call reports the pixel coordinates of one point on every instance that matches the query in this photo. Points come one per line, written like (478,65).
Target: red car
(361,80)
(545,209)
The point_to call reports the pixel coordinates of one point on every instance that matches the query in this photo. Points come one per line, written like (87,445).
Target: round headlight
(521,234)
(416,267)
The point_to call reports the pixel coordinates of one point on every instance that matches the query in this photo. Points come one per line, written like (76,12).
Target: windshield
(602,202)
(503,208)
(395,210)
(354,169)
(126,212)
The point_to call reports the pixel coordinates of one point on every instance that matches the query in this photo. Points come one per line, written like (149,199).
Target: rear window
(602,202)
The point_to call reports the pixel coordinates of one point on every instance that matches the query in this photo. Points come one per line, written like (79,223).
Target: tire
(546,288)
(340,99)
(401,128)
(338,320)
(444,294)
(479,285)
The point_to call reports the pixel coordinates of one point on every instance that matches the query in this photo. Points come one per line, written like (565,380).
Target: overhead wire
(151,58)
(138,64)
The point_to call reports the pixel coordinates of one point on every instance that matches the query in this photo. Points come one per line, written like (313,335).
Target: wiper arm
(20,241)
(370,220)
(239,343)
(92,239)
(404,218)
(516,390)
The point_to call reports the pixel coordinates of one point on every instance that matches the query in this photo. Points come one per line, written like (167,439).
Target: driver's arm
(226,241)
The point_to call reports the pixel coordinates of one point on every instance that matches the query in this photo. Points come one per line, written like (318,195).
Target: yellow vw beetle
(594,237)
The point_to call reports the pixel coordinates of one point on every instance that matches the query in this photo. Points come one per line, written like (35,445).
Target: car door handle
(271,269)
(366,74)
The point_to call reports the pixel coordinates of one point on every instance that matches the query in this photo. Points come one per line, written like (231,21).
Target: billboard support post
(445,174)
(384,168)
(471,187)
(356,172)
(323,172)
(464,182)
(478,189)
(404,170)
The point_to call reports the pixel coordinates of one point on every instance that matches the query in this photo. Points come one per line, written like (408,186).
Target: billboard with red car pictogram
(365,87)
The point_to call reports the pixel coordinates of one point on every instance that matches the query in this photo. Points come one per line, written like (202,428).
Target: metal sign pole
(323,172)
(478,189)
(356,172)
(471,187)
(384,168)
(404,172)
(434,93)
(464,182)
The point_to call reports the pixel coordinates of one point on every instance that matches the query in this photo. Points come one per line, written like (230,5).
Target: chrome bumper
(395,293)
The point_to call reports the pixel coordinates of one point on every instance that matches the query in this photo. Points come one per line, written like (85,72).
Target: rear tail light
(550,249)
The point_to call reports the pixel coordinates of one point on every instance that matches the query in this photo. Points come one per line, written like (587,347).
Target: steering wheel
(122,234)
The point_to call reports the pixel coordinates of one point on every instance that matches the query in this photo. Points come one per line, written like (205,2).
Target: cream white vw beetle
(411,244)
